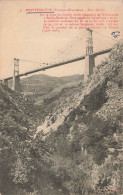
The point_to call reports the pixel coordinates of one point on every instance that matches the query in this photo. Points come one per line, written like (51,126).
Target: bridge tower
(89,58)
(16,78)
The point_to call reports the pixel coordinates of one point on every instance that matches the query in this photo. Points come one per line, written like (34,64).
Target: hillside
(43,84)
(85,129)
(16,130)
(23,160)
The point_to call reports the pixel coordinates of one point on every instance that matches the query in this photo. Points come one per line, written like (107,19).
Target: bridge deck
(102,52)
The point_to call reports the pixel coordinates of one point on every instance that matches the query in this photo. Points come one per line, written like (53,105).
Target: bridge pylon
(89,58)
(16,78)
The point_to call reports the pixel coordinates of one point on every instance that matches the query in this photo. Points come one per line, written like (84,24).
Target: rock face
(13,100)
(94,112)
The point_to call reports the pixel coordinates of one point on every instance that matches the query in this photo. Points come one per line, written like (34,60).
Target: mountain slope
(23,160)
(85,130)
(16,130)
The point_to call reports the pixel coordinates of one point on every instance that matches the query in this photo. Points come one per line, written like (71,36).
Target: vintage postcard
(61,97)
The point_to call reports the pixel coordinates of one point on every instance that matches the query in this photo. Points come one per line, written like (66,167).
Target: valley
(63,136)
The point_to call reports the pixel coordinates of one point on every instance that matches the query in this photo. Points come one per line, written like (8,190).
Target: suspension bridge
(89,65)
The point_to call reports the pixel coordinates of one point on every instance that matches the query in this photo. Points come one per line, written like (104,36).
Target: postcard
(61,82)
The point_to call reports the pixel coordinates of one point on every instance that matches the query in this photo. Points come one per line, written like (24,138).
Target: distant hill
(43,84)
(47,91)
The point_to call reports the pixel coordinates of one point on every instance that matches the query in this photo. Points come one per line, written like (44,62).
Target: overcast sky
(21,37)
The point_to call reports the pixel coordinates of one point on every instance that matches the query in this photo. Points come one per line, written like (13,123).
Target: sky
(21,37)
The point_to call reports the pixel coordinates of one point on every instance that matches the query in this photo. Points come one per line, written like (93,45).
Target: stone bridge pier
(5,81)
(16,86)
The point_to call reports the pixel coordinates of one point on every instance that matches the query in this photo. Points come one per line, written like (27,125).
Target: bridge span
(89,58)
(61,63)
